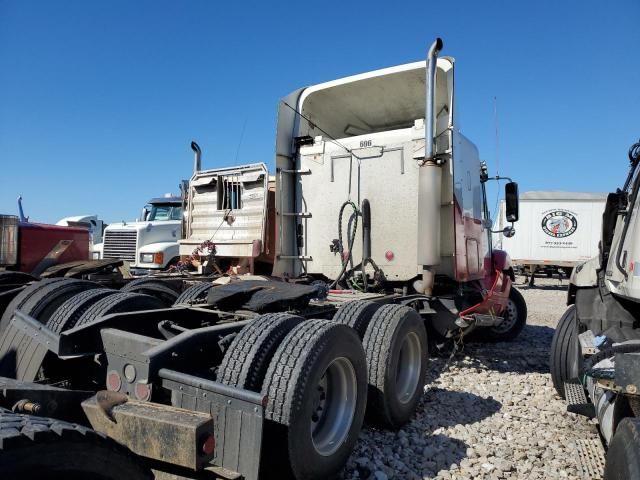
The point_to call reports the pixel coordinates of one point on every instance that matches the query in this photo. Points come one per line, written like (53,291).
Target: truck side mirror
(144,214)
(511,201)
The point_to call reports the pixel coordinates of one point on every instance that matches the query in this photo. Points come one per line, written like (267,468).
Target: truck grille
(120,244)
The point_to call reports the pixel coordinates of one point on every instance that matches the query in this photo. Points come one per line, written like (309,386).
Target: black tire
(247,359)
(118,303)
(315,351)
(15,278)
(566,359)
(195,294)
(515,319)
(157,289)
(67,315)
(394,343)
(37,447)
(356,314)
(623,456)
(42,298)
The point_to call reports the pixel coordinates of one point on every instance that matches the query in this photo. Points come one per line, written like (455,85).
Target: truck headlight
(146,257)
(157,258)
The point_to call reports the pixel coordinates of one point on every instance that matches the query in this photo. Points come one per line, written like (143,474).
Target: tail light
(142,391)
(114,382)
(207,444)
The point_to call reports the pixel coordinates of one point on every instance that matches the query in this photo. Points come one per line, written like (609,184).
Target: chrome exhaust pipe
(197,165)
(430,184)
(429,120)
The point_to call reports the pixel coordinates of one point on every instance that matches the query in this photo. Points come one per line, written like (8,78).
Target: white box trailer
(556,229)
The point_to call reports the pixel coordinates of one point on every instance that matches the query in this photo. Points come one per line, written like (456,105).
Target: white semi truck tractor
(595,352)
(377,188)
(150,243)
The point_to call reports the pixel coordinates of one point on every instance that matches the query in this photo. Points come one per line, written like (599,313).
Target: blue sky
(100,99)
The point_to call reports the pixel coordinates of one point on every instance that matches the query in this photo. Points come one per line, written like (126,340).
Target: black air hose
(351,239)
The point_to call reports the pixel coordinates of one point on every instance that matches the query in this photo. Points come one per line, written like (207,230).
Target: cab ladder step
(577,400)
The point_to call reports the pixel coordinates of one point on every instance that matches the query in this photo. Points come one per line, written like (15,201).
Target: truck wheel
(316,396)
(566,359)
(15,278)
(67,315)
(118,303)
(396,349)
(356,314)
(42,298)
(623,456)
(154,288)
(514,320)
(36,447)
(195,294)
(247,359)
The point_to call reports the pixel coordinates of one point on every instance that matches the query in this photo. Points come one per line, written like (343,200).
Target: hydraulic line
(351,239)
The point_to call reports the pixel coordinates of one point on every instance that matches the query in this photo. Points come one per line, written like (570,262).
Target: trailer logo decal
(559,223)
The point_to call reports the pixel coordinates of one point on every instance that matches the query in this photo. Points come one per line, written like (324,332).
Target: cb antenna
(495,119)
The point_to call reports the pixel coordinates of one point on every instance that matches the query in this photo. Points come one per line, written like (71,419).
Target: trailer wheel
(195,294)
(42,298)
(15,278)
(154,288)
(514,320)
(118,303)
(623,456)
(356,314)
(37,447)
(316,397)
(566,360)
(247,359)
(68,314)
(396,348)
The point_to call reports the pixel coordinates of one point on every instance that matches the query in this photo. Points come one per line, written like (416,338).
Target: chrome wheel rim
(334,406)
(409,367)
(509,318)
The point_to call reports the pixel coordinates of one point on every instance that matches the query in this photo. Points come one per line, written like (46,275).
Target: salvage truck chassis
(197,390)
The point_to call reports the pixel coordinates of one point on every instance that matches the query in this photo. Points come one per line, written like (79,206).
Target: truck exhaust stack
(430,180)
(197,161)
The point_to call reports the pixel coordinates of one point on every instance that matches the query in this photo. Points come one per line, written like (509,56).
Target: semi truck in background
(148,244)
(90,222)
(233,209)
(557,231)
(595,352)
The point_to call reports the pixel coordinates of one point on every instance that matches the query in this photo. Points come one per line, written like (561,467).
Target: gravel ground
(494,414)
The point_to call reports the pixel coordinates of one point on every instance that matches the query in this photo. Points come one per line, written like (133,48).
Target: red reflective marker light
(114,382)
(142,391)
(209,445)
(389,255)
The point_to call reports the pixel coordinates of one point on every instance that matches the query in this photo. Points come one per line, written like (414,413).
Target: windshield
(166,212)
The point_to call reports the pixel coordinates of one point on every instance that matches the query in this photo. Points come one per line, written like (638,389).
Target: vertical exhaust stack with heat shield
(430,184)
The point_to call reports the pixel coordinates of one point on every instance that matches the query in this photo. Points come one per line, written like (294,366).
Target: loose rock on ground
(493,414)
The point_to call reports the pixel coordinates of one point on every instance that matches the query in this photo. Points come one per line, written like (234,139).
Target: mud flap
(238,417)
(23,347)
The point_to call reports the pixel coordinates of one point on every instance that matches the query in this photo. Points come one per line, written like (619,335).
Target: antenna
(495,119)
(244,125)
